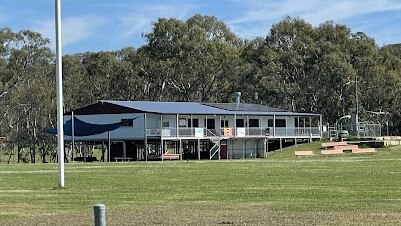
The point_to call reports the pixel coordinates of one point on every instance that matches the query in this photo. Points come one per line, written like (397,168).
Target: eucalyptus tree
(279,63)
(26,98)
(200,56)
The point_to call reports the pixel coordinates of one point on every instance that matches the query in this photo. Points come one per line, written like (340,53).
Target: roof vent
(237,96)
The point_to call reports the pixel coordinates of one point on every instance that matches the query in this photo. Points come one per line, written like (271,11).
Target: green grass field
(279,190)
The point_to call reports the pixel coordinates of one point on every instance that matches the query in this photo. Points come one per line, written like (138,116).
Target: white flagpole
(59,85)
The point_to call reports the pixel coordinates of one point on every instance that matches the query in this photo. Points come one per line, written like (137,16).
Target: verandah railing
(240,132)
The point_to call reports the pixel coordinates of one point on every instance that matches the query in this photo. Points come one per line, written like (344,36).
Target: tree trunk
(32,152)
(43,153)
(18,153)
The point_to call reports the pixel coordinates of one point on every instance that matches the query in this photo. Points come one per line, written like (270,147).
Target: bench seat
(171,156)
(364,151)
(303,153)
(332,152)
(346,147)
(122,159)
(333,144)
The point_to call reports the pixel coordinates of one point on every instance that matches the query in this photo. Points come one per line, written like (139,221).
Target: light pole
(59,96)
(357,107)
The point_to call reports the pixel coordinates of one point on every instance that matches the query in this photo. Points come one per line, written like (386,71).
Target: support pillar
(274,126)
(162,148)
(124,149)
(264,148)
(73,135)
(281,144)
(180,148)
(146,137)
(243,149)
(231,149)
(109,145)
(161,136)
(199,154)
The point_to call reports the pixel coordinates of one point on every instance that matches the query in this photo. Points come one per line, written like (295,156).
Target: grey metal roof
(196,108)
(171,107)
(245,107)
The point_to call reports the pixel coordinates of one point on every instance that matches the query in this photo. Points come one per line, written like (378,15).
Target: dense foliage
(325,69)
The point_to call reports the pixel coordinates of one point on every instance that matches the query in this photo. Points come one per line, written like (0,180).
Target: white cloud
(138,20)
(74,29)
(259,15)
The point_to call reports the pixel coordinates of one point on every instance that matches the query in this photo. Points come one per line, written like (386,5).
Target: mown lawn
(279,190)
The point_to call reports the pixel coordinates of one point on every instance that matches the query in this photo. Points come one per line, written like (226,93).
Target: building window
(210,124)
(166,124)
(240,123)
(253,122)
(195,122)
(270,122)
(182,122)
(130,122)
(280,123)
(224,124)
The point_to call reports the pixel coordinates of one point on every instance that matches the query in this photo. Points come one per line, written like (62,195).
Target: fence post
(100,214)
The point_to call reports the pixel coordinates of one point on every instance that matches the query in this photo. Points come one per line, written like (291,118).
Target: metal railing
(297,131)
(369,130)
(242,132)
(365,130)
(186,132)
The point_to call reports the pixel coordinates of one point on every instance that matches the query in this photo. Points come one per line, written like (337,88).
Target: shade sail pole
(59,96)
(73,132)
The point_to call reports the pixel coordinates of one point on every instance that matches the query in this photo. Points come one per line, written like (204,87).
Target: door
(223,151)
(210,124)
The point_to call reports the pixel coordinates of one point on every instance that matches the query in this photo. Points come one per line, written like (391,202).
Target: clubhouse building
(149,130)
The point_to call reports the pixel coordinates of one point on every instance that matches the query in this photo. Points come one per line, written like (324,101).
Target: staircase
(216,147)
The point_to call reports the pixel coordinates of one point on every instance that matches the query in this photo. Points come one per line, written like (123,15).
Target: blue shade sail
(82,128)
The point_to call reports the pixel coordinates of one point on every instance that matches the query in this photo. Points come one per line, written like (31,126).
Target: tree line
(326,69)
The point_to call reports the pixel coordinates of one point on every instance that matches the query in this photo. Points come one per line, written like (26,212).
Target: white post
(267,147)
(274,126)
(320,127)
(192,132)
(235,125)
(176,129)
(100,214)
(59,87)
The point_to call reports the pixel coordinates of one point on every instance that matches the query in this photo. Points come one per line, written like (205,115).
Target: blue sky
(95,25)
